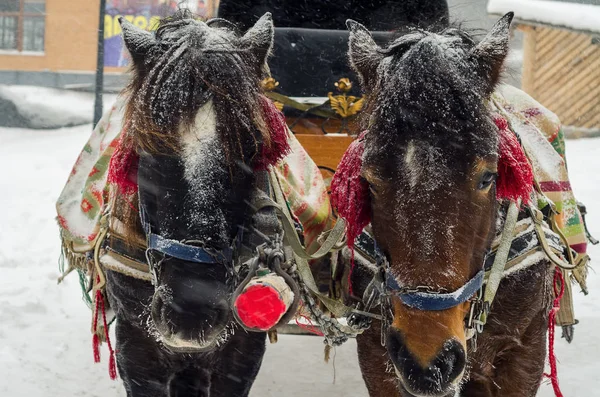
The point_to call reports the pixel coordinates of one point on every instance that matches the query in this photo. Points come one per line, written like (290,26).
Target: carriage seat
(307,62)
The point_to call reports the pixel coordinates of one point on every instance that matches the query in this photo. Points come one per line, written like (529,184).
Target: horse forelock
(428,90)
(192,64)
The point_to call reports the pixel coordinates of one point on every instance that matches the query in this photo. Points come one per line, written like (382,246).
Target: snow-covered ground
(45,344)
(66,108)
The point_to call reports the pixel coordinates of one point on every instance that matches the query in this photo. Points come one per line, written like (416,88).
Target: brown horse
(430,161)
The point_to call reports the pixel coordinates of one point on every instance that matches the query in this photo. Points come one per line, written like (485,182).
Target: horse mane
(429,81)
(177,77)
(168,87)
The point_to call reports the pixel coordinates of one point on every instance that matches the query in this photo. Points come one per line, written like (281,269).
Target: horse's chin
(406,391)
(178,344)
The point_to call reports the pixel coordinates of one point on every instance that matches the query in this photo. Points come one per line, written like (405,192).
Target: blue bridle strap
(186,252)
(431,301)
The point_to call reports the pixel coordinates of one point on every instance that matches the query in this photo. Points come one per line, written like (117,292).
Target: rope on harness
(335,333)
(553,375)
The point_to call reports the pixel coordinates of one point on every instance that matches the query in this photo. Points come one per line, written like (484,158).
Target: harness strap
(497,270)
(99,279)
(186,252)
(525,243)
(335,235)
(431,301)
(301,256)
(537,217)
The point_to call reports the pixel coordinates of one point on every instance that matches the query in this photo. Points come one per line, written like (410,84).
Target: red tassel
(553,375)
(123,166)
(96,348)
(515,175)
(350,197)
(350,192)
(95,338)
(279,146)
(112,366)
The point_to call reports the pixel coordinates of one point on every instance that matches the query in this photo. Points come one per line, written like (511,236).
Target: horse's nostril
(451,361)
(435,378)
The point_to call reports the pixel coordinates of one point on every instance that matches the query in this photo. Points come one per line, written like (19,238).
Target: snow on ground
(45,344)
(584,17)
(67,108)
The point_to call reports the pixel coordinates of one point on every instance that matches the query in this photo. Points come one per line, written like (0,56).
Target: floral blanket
(541,135)
(543,139)
(85,196)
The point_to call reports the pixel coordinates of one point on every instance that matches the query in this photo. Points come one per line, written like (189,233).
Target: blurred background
(56,44)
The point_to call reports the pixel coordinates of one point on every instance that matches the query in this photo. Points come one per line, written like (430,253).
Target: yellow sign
(113,28)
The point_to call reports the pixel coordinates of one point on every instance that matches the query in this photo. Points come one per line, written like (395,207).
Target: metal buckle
(153,264)
(477,310)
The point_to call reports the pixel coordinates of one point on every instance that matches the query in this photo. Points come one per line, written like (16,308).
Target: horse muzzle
(190,313)
(438,377)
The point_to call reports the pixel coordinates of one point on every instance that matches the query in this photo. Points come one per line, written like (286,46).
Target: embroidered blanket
(543,139)
(86,193)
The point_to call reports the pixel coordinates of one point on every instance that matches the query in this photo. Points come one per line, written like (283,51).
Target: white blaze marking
(196,139)
(412,165)
(205,126)
(203,165)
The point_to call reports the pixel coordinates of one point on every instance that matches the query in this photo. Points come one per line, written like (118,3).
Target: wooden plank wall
(561,70)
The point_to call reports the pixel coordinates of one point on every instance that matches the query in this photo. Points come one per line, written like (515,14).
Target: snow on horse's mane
(124,162)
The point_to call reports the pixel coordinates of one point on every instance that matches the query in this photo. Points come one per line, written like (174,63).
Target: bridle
(160,248)
(428,299)
(385,285)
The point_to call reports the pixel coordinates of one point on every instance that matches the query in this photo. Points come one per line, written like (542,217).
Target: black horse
(194,117)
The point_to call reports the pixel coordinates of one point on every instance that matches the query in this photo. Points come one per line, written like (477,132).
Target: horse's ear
(490,53)
(138,41)
(364,53)
(259,39)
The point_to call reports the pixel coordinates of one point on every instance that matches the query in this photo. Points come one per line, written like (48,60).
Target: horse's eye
(486,180)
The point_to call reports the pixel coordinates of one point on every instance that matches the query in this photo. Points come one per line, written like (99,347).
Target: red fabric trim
(515,175)
(350,192)
(279,146)
(552,186)
(580,248)
(350,196)
(123,166)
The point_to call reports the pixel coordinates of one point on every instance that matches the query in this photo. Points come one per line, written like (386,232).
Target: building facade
(54,42)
